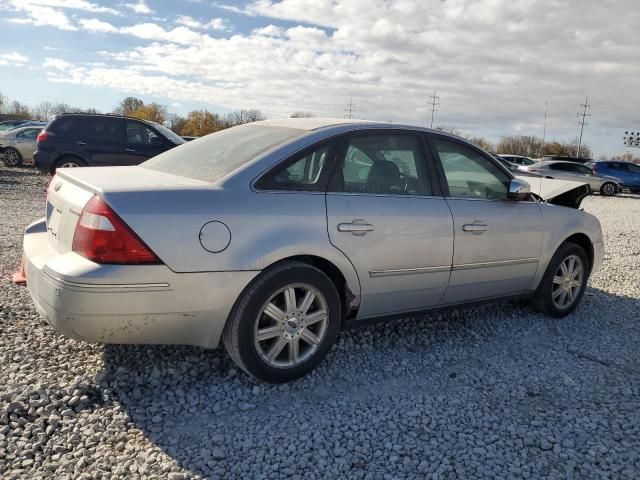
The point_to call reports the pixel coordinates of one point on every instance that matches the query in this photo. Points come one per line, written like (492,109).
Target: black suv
(81,139)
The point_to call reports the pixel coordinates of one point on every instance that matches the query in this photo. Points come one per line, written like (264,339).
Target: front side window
(305,171)
(470,174)
(384,165)
(632,167)
(140,134)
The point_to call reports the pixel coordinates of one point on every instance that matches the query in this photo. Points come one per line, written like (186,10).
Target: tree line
(202,122)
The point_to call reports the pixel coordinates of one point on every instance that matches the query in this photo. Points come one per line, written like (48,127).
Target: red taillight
(42,136)
(102,237)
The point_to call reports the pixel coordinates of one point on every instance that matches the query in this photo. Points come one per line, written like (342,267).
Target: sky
(493,63)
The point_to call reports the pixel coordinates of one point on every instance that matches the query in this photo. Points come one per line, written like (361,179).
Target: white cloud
(97,26)
(57,64)
(214,24)
(493,62)
(140,7)
(152,31)
(13,58)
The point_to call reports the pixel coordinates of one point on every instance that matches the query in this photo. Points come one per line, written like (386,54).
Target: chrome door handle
(129,150)
(474,227)
(81,143)
(357,227)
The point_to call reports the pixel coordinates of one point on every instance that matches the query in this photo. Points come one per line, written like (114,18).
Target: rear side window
(212,157)
(104,128)
(64,125)
(382,164)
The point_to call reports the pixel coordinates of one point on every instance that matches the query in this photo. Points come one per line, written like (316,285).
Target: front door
(142,143)
(497,241)
(382,213)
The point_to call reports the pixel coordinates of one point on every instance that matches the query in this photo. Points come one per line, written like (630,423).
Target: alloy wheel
(567,282)
(69,165)
(609,189)
(11,158)
(291,326)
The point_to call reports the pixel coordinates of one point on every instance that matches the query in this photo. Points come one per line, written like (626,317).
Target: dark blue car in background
(628,172)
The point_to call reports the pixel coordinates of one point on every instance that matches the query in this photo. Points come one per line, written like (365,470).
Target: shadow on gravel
(207,415)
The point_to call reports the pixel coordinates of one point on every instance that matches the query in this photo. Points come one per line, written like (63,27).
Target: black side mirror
(518,190)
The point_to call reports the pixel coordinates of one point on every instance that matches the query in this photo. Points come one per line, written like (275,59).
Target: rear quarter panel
(265,228)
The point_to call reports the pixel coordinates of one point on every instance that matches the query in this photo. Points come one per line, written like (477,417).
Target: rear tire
(11,157)
(70,162)
(564,281)
(608,189)
(284,324)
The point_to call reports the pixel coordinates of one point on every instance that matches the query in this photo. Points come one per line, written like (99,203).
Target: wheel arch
(582,240)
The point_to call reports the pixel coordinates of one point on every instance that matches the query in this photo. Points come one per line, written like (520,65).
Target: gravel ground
(489,392)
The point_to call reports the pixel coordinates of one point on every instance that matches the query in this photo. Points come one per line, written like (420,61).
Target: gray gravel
(490,392)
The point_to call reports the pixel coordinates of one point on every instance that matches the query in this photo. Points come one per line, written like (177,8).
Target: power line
(349,109)
(433,101)
(583,120)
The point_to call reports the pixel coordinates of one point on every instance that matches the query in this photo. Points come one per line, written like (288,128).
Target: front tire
(564,282)
(284,324)
(11,157)
(608,189)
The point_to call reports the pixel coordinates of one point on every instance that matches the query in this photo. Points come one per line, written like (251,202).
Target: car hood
(558,192)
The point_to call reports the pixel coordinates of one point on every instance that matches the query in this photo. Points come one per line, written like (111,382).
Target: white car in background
(577,172)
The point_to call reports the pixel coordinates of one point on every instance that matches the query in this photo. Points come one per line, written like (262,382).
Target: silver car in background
(270,237)
(17,145)
(577,172)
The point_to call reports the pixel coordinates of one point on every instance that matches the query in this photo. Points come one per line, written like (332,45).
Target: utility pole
(349,109)
(583,120)
(433,101)
(544,128)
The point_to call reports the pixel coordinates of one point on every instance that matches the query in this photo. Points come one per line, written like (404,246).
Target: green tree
(202,122)
(128,105)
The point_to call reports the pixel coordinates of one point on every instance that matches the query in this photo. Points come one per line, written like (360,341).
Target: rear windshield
(212,157)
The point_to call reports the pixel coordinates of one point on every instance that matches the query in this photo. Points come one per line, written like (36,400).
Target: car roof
(108,115)
(314,123)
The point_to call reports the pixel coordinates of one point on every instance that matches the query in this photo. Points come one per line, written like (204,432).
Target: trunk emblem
(57,186)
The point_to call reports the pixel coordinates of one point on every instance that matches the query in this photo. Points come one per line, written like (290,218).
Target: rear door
(103,140)
(497,241)
(384,213)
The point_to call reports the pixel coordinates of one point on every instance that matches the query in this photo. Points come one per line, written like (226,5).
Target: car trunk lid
(72,188)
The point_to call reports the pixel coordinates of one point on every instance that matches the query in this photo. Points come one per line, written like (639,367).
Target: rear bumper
(43,161)
(146,304)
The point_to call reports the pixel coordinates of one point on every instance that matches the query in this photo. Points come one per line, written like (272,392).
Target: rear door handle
(81,143)
(129,150)
(357,227)
(474,227)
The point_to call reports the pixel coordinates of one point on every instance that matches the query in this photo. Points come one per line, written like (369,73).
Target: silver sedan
(577,172)
(269,237)
(18,145)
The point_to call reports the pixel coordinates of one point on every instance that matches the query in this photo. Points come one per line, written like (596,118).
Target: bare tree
(240,117)
(301,114)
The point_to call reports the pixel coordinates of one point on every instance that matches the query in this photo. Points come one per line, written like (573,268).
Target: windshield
(169,134)
(212,157)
